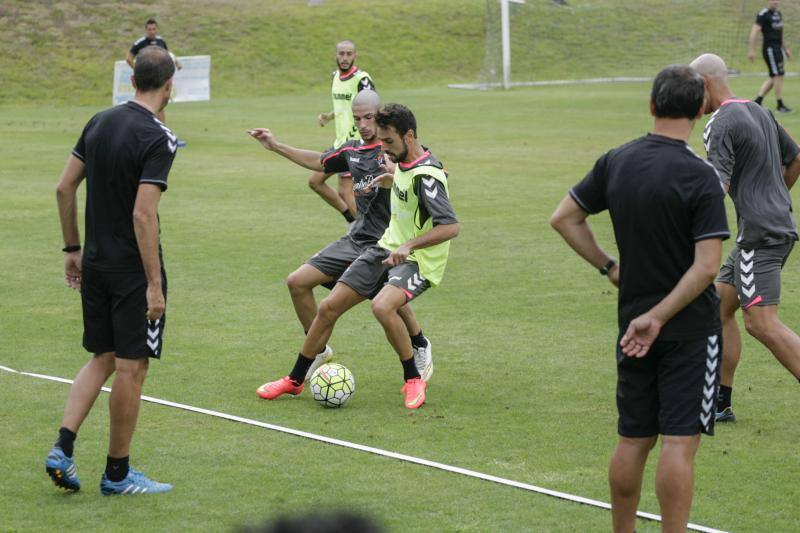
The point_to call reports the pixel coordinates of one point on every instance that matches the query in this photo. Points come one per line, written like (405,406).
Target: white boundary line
(377,451)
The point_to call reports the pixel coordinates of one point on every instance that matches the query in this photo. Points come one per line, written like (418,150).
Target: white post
(506,37)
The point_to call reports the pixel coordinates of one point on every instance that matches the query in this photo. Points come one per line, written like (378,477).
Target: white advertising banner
(191,84)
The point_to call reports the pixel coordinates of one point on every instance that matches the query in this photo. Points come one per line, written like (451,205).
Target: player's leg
(732,339)
(637,425)
(625,473)
(136,340)
(356,284)
(317,183)
(98,338)
(346,193)
(85,389)
(420,344)
(675,480)
(764,90)
(688,376)
(330,309)
(762,322)
(404,283)
(759,272)
(301,285)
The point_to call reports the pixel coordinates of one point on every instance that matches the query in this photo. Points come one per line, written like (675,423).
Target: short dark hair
(150,21)
(154,66)
(398,116)
(678,92)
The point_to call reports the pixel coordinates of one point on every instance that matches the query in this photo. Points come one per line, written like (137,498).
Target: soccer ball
(332,385)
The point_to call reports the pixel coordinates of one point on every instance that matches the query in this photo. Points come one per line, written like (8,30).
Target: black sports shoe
(783,109)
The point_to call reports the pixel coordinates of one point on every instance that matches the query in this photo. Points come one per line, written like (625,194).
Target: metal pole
(506,37)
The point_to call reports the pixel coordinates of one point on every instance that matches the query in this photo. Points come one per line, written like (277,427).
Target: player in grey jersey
(758,163)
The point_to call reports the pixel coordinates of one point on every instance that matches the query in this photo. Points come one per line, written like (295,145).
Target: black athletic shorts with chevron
(670,391)
(114,314)
(367,275)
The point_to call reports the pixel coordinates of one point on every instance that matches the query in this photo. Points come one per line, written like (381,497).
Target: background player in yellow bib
(348,81)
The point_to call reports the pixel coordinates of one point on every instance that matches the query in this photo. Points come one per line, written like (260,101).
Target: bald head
(711,67)
(367,99)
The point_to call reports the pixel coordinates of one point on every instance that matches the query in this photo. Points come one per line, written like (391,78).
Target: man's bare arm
(145,225)
(305,158)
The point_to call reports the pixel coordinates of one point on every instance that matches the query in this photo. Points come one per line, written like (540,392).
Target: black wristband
(347,216)
(607,267)
(71,248)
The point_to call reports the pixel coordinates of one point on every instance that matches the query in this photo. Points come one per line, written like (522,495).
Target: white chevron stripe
(705,419)
(429,182)
(748,255)
(749,291)
(708,392)
(712,339)
(432,194)
(172,146)
(712,350)
(153,345)
(707,405)
(746,267)
(711,364)
(747,280)
(709,379)
(153,333)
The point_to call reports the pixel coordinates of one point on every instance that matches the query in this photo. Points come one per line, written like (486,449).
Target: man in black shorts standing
(362,159)
(769,22)
(758,162)
(667,208)
(125,153)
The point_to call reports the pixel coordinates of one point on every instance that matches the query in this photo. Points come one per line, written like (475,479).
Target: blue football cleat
(726,415)
(62,470)
(134,483)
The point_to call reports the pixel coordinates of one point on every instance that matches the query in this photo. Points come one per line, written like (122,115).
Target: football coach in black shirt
(666,206)
(125,153)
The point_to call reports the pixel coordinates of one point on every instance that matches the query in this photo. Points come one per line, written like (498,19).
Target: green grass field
(523,335)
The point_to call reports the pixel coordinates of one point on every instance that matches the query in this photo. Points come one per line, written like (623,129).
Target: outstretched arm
(305,158)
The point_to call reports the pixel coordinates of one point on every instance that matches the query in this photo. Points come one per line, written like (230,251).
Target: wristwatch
(607,267)
(71,248)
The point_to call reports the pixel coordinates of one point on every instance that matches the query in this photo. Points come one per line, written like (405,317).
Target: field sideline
(522,333)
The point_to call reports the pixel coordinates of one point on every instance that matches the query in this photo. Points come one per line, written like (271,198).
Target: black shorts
(367,275)
(114,314)
(773,55)
(334,259)
(670,391)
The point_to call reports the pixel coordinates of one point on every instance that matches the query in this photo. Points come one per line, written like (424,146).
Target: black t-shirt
(662,199)
(144,41)
(122,147)
(771,22)
(364,163)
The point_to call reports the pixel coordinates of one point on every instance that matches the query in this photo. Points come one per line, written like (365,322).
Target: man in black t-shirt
(363,160)
(125,153)
(667,209)
(769,22)
(152,38)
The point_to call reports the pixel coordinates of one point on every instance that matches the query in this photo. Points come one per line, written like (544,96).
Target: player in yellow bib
(348,81)
(409,258)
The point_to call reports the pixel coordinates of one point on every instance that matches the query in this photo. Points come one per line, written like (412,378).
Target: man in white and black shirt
(667,208)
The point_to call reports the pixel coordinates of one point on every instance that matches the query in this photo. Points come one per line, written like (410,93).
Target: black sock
(66,440)
(116,469)
(780,103)
(410,369)
(759,99)
(724,398)
(301,366)
(419,340)
(347,216)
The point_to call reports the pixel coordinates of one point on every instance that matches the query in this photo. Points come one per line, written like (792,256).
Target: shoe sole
(725,420)
(57,475)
